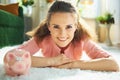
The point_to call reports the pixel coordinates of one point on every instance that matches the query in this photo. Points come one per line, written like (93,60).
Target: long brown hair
(82,31)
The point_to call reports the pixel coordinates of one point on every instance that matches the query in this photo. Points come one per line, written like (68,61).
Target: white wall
(35,13)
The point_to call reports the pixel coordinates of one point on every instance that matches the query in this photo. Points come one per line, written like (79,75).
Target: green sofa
(11,28)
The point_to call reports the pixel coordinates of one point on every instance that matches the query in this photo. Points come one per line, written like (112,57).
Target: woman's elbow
(114,65)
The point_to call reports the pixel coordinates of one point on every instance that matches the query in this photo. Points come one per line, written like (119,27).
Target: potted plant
(107,20)
(27,6)
(27,2)
(49,1)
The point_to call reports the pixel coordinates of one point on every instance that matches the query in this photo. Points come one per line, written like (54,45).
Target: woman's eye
(56,26)
(68,27)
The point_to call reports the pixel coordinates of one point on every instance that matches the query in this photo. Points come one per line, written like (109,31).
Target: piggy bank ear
(10,56)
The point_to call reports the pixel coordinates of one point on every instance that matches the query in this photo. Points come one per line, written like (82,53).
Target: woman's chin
(62,45)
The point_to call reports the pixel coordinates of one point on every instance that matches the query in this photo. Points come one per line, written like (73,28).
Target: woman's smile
(62,39)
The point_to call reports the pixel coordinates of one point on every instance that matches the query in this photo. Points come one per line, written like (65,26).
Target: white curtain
(39,12)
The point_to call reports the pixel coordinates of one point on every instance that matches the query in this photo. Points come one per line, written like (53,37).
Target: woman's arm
(49,62)
(100,64)
(30,46)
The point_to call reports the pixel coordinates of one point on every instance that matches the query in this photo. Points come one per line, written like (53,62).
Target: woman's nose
(63,32)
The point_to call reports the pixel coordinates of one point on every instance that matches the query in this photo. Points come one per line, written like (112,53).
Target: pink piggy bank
(17,62)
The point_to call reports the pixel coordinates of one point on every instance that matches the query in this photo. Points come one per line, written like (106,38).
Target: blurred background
(102,15)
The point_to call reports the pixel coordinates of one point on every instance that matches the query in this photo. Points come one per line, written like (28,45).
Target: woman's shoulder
(46,40)
(85,42)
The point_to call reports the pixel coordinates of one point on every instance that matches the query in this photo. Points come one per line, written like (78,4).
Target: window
(89,8)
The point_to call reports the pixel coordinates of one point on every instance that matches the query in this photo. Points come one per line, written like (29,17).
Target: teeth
(62,39)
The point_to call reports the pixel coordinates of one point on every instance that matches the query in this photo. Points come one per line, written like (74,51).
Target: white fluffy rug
(62,74)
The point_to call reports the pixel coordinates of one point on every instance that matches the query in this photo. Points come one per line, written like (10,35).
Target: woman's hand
(59,60)
(51,61)
(66,66)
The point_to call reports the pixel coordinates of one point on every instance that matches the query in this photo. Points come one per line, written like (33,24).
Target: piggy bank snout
(19,67)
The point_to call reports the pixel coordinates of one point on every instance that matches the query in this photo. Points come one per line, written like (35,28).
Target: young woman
(62,38)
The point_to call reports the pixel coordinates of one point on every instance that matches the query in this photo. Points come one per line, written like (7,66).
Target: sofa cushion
(7,19)
(12,8)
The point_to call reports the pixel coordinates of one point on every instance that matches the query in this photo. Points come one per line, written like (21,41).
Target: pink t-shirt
(73,51)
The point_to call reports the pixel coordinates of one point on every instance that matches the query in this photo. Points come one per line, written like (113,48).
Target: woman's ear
(49,28)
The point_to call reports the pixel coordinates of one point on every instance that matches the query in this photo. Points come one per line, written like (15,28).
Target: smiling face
(62,28)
